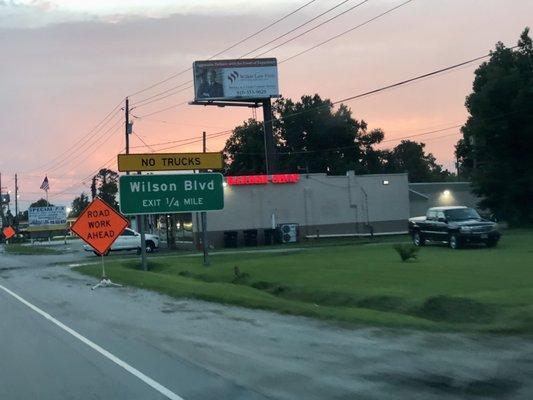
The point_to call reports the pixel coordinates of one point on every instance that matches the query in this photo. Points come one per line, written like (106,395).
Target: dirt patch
(496,388)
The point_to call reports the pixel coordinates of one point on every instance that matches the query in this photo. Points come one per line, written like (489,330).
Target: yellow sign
(169,161)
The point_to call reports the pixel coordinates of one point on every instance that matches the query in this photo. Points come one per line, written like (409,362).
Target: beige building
(320,205)
(425,195)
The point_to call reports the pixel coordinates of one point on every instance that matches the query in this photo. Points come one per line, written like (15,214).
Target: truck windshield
(461,214)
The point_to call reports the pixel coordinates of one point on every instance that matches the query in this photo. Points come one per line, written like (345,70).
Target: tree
(309,135)
(495,151)
(410,157)
(41,203)
(79,204)
(244,152)
(93,187)
(106,184)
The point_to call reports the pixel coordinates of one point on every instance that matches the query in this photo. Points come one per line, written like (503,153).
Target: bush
(406,251)
(239,278)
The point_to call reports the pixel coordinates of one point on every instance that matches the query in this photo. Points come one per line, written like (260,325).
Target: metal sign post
(203,215)
(105,281)
(99,225)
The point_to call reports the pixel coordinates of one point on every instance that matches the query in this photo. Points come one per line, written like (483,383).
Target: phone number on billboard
(250,91)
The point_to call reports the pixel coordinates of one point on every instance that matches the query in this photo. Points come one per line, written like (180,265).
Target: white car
(131,240)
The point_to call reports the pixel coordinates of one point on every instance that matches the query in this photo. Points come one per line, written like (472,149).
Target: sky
(67,64)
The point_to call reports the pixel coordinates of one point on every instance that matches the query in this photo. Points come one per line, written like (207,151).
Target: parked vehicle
(131,240)
(456,225)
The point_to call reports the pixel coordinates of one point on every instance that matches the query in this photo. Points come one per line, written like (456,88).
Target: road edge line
(135,372)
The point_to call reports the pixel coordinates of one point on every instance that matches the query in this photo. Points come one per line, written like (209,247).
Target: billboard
(230,80)
(47,218)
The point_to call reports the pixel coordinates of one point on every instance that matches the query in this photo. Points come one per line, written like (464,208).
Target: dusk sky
(67,63)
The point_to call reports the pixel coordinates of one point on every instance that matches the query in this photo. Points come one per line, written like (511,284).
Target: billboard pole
(270,146)
(203,216)
(1,204)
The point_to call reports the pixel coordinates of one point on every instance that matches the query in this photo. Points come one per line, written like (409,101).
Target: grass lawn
(29,250)
(474,289)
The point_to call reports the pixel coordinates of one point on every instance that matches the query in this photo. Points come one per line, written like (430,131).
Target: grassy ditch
(29,250)
(475,289)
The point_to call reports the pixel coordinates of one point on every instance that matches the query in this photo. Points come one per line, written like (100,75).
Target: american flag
(45,186)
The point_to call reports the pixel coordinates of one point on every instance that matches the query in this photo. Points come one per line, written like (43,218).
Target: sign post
(99,225)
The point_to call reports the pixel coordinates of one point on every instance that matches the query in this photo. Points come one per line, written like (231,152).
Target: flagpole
(47,202)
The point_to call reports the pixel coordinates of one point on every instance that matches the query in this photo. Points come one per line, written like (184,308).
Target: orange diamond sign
(9,232)
(99,225)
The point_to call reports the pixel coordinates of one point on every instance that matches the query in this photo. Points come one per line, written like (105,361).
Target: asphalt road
(201,350)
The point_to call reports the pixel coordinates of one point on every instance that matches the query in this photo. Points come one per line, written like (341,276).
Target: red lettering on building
(262,179)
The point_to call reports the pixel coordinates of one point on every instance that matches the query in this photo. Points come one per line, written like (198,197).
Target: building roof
(411,191)
(447,208)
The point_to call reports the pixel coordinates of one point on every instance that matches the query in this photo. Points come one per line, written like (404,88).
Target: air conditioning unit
(288,233)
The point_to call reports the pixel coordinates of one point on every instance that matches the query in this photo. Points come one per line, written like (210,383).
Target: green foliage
(239,278)
(41,203)
(455,309)
(245,151)
(316,137)
(410,157)
(78,205)
(20,249)
(495,152)
(312,135)
(406,251)
(105,183)
(485,290)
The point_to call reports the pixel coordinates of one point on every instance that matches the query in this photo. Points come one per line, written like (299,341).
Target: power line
(298,54)
(352,146)
(295,29)
(158,97)
(171,91)
(87,136)
(83,150)
(143,142)
(164,109)
(226,49)
(347,31)
(311,29)
(107,164)
(422,134)
(174,123)
(89,154)
(374,91)
(190,139)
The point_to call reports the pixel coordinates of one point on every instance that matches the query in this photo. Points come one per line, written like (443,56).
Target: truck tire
(418,239)
(150,246)
(491,242)
(455,241)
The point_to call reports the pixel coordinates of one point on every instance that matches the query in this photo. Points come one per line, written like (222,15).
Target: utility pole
(271,158)
(127,126)
(139,218)
(203,216)
(1,204)
(16,199)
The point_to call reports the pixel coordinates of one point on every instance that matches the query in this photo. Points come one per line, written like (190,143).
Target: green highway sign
(166,194)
